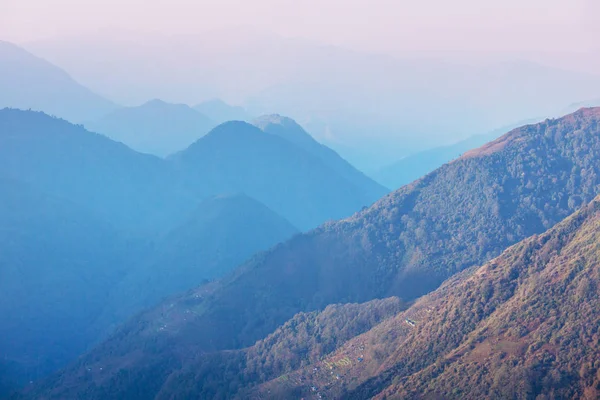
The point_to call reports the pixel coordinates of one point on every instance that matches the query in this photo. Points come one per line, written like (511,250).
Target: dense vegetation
(523,326)
(301,341)
(405,245)
(415,166)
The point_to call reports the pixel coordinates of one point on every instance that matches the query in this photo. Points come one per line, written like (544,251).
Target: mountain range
(406,245)
(520,326)
(239,157)
(382,105)
(155,127)
(29,82)
(88,222)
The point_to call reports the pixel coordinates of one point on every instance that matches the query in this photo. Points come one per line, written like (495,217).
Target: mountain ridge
(406,245)
(462,340)
(237,156)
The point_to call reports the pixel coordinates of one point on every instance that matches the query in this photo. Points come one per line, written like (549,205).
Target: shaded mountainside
(523,326)
(460,216)
(130,190)
(239,157)
(289,130)
(155,127)
(29,82)
(51,252)
(220,234)
(174,239)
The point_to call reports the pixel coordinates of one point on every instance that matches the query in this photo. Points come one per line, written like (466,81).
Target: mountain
(221,233)
(414,166)
(289,130)
(462,215)
(522,326)
(219,111)
(103,221)
(130,190)
(239,157)
(155,127)
(29,82)
(52,252)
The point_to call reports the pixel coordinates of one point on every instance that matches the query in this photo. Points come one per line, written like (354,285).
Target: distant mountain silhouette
(289,130)
(130,190)
(239,157)
(462,215)
(219,111)
(221,233)
(155,127)
(29,82)
(380,104)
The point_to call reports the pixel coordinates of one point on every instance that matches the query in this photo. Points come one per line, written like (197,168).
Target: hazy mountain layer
(219,111)
(108,230)
(155,127)
(29,82)
(57,262)
(289,130)
(130,190)
(220,234)
(239,157)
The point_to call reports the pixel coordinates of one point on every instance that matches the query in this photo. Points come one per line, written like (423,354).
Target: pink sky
(390,26)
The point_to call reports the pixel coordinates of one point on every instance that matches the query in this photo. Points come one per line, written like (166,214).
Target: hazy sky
(377,25)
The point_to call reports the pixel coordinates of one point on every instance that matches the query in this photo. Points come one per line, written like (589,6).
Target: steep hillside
(130,190)
(238,157)
(29,82)
(416,165)
(52,252)
(525,325)
(220,234)
(289,130)
(304,339)
(155,127)
(405,245)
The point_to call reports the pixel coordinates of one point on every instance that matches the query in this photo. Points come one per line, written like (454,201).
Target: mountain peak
(233,129)
(585,112)
(155,102)
(285,128)
(274,119)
